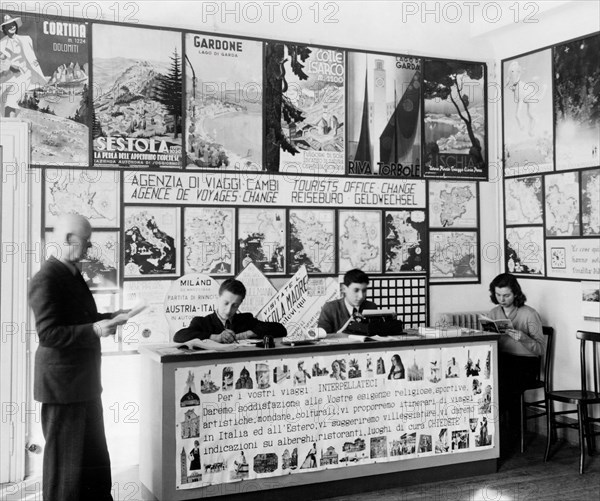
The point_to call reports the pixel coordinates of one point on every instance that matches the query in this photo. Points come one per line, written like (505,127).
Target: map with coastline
(562,205)
(405,241)
(91,193)
(523,199)
(312,234)
(360,240)
(525,250)
(209,240)
(453,204)
(261,239)
(453,255)
(590,203)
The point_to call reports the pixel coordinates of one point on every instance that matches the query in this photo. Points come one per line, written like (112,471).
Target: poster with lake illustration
(455,118)
(137,97)
(223,92)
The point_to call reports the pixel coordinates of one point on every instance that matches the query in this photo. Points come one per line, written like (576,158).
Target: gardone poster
(455,120)
(44,79)
(384,110)
(137,97)
(527,106)
(305,100)
(223,91)
(576,103)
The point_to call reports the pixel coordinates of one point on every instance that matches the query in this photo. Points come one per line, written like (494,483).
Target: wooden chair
(538,407)
(581,398)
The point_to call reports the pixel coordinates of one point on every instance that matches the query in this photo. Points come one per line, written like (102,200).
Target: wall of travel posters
(552,206)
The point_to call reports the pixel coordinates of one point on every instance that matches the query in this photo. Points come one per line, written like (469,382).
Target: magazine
(500,326)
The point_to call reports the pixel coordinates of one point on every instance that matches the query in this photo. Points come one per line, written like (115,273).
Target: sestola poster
(223,93)
(304,112)
(454,124)
(137,97)
(384,101)
(44,80)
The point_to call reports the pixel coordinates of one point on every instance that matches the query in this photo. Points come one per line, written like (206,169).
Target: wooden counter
(317,420)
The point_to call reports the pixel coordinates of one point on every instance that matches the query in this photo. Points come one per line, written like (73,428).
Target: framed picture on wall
(453,256)
(453,204)
(525,250)
(92,193)
(455,142)
(590,202)
(384,111)
(359,240)
(223,92)
(405,241)
(527,109)
(562,205)
(209,240)
(304,109)
(151,241)
(576,104)
(137,96)
(523,200)
(45,81)
(312,240)
(261,239)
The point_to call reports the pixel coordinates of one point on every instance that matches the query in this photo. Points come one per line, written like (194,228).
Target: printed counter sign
(455,142)
(304,110)
(223,103)
(384,103)
(137,98)
(261,419)
(44,80)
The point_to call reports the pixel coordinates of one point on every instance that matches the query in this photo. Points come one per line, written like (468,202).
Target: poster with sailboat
(455,143)
(44,81)
(137,97)
(384,100)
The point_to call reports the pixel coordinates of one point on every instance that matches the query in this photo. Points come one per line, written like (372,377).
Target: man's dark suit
(334,314)
(67,382)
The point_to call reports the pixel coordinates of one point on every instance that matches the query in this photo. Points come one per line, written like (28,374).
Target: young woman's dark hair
(234,286)
(510,281)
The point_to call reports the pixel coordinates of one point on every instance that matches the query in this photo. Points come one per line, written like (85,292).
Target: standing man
(336,315)
(67,370)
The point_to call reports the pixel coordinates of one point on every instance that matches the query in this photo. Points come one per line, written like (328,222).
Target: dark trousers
(76,460)
(514,374)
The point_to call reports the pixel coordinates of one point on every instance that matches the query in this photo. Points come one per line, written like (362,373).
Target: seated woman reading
(225,324)
(519,348)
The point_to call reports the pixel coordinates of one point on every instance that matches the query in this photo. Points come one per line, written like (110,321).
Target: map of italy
(209,240)
(453,204)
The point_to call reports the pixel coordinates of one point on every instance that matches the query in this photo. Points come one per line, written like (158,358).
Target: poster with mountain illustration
(137,97)
(223,91)
(454,124)
(304,109)
(384,103)
(44,81)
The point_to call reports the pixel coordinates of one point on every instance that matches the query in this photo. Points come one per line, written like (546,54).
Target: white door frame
(15,319)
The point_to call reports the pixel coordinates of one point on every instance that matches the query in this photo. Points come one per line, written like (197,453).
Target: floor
(521,477)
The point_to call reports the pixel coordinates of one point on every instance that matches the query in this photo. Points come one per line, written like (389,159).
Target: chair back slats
(594,338)
(549,333)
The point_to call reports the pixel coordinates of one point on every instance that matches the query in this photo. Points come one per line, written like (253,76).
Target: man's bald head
(72,234)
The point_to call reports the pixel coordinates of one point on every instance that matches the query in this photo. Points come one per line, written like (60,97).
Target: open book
(500,326)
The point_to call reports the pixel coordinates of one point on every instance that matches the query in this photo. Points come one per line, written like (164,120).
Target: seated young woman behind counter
(225,324)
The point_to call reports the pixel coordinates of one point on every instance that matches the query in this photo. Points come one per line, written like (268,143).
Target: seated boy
(225,324)
(336,315)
